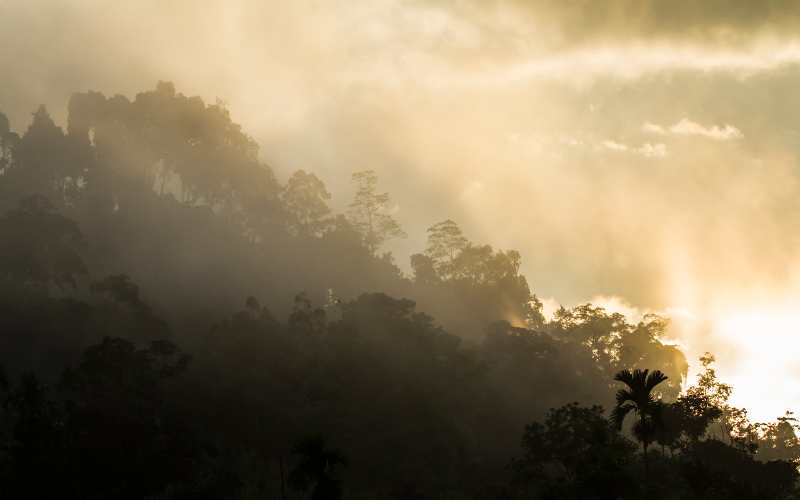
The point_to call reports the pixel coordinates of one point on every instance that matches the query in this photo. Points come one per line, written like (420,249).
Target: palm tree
(638,397)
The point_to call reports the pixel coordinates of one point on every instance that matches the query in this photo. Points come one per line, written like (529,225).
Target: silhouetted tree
(638,397)
(370,212)
(696,414)
(424,269)
(617,344)
(44,163)
(779,440)
(8,142)
(40,247)
(118,426)
(306,319)
(445,242)
(575,453)
(716,470)
(306,200)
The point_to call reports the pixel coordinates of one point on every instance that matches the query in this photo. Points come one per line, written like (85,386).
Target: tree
(709,385)
(40,247)
(717,470)
(669,433)
(578,448)
(445,242)
(169,143)
(641,345)
(734,424)
(424,269)
(638,397)
(306,319)
(697,412)
(8,140)
(124,294)
(617,344)
(306,200)
(36,442)
(315,469)
(118,425)
(369,212)
(490,283)
(599,331)
(45,162)
(687,417)
(779,440)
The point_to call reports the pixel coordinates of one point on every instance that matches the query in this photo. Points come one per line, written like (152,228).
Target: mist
(640,156)
(568,131)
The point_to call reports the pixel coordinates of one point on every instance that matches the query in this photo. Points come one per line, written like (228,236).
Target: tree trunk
(283,479)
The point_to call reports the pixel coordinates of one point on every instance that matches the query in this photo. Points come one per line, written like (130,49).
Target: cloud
(647,149)
(500,115)
(613,304)
(615,146)
(687,127)
(653,150)
(449,103)
(549,307)
(723,22)
(652,128)
(472,191)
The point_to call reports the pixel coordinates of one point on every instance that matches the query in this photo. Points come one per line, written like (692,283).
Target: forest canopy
(178,322)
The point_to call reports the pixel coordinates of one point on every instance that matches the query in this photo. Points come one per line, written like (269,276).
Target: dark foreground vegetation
(176,323)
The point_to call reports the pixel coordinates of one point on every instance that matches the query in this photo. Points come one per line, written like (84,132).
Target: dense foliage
(178,323)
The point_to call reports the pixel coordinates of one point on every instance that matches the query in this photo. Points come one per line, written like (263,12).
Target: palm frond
(619,413)
(624,395)
(653,379)
(625,376)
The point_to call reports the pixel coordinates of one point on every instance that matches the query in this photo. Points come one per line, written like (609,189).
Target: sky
(640,154)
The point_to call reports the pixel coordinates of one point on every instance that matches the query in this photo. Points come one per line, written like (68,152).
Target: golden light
(762,346)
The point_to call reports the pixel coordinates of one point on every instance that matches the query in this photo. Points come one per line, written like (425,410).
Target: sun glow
(756,344)
(756,348)
(762,344)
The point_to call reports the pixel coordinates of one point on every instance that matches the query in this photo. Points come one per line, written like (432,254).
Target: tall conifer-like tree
(369,212)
